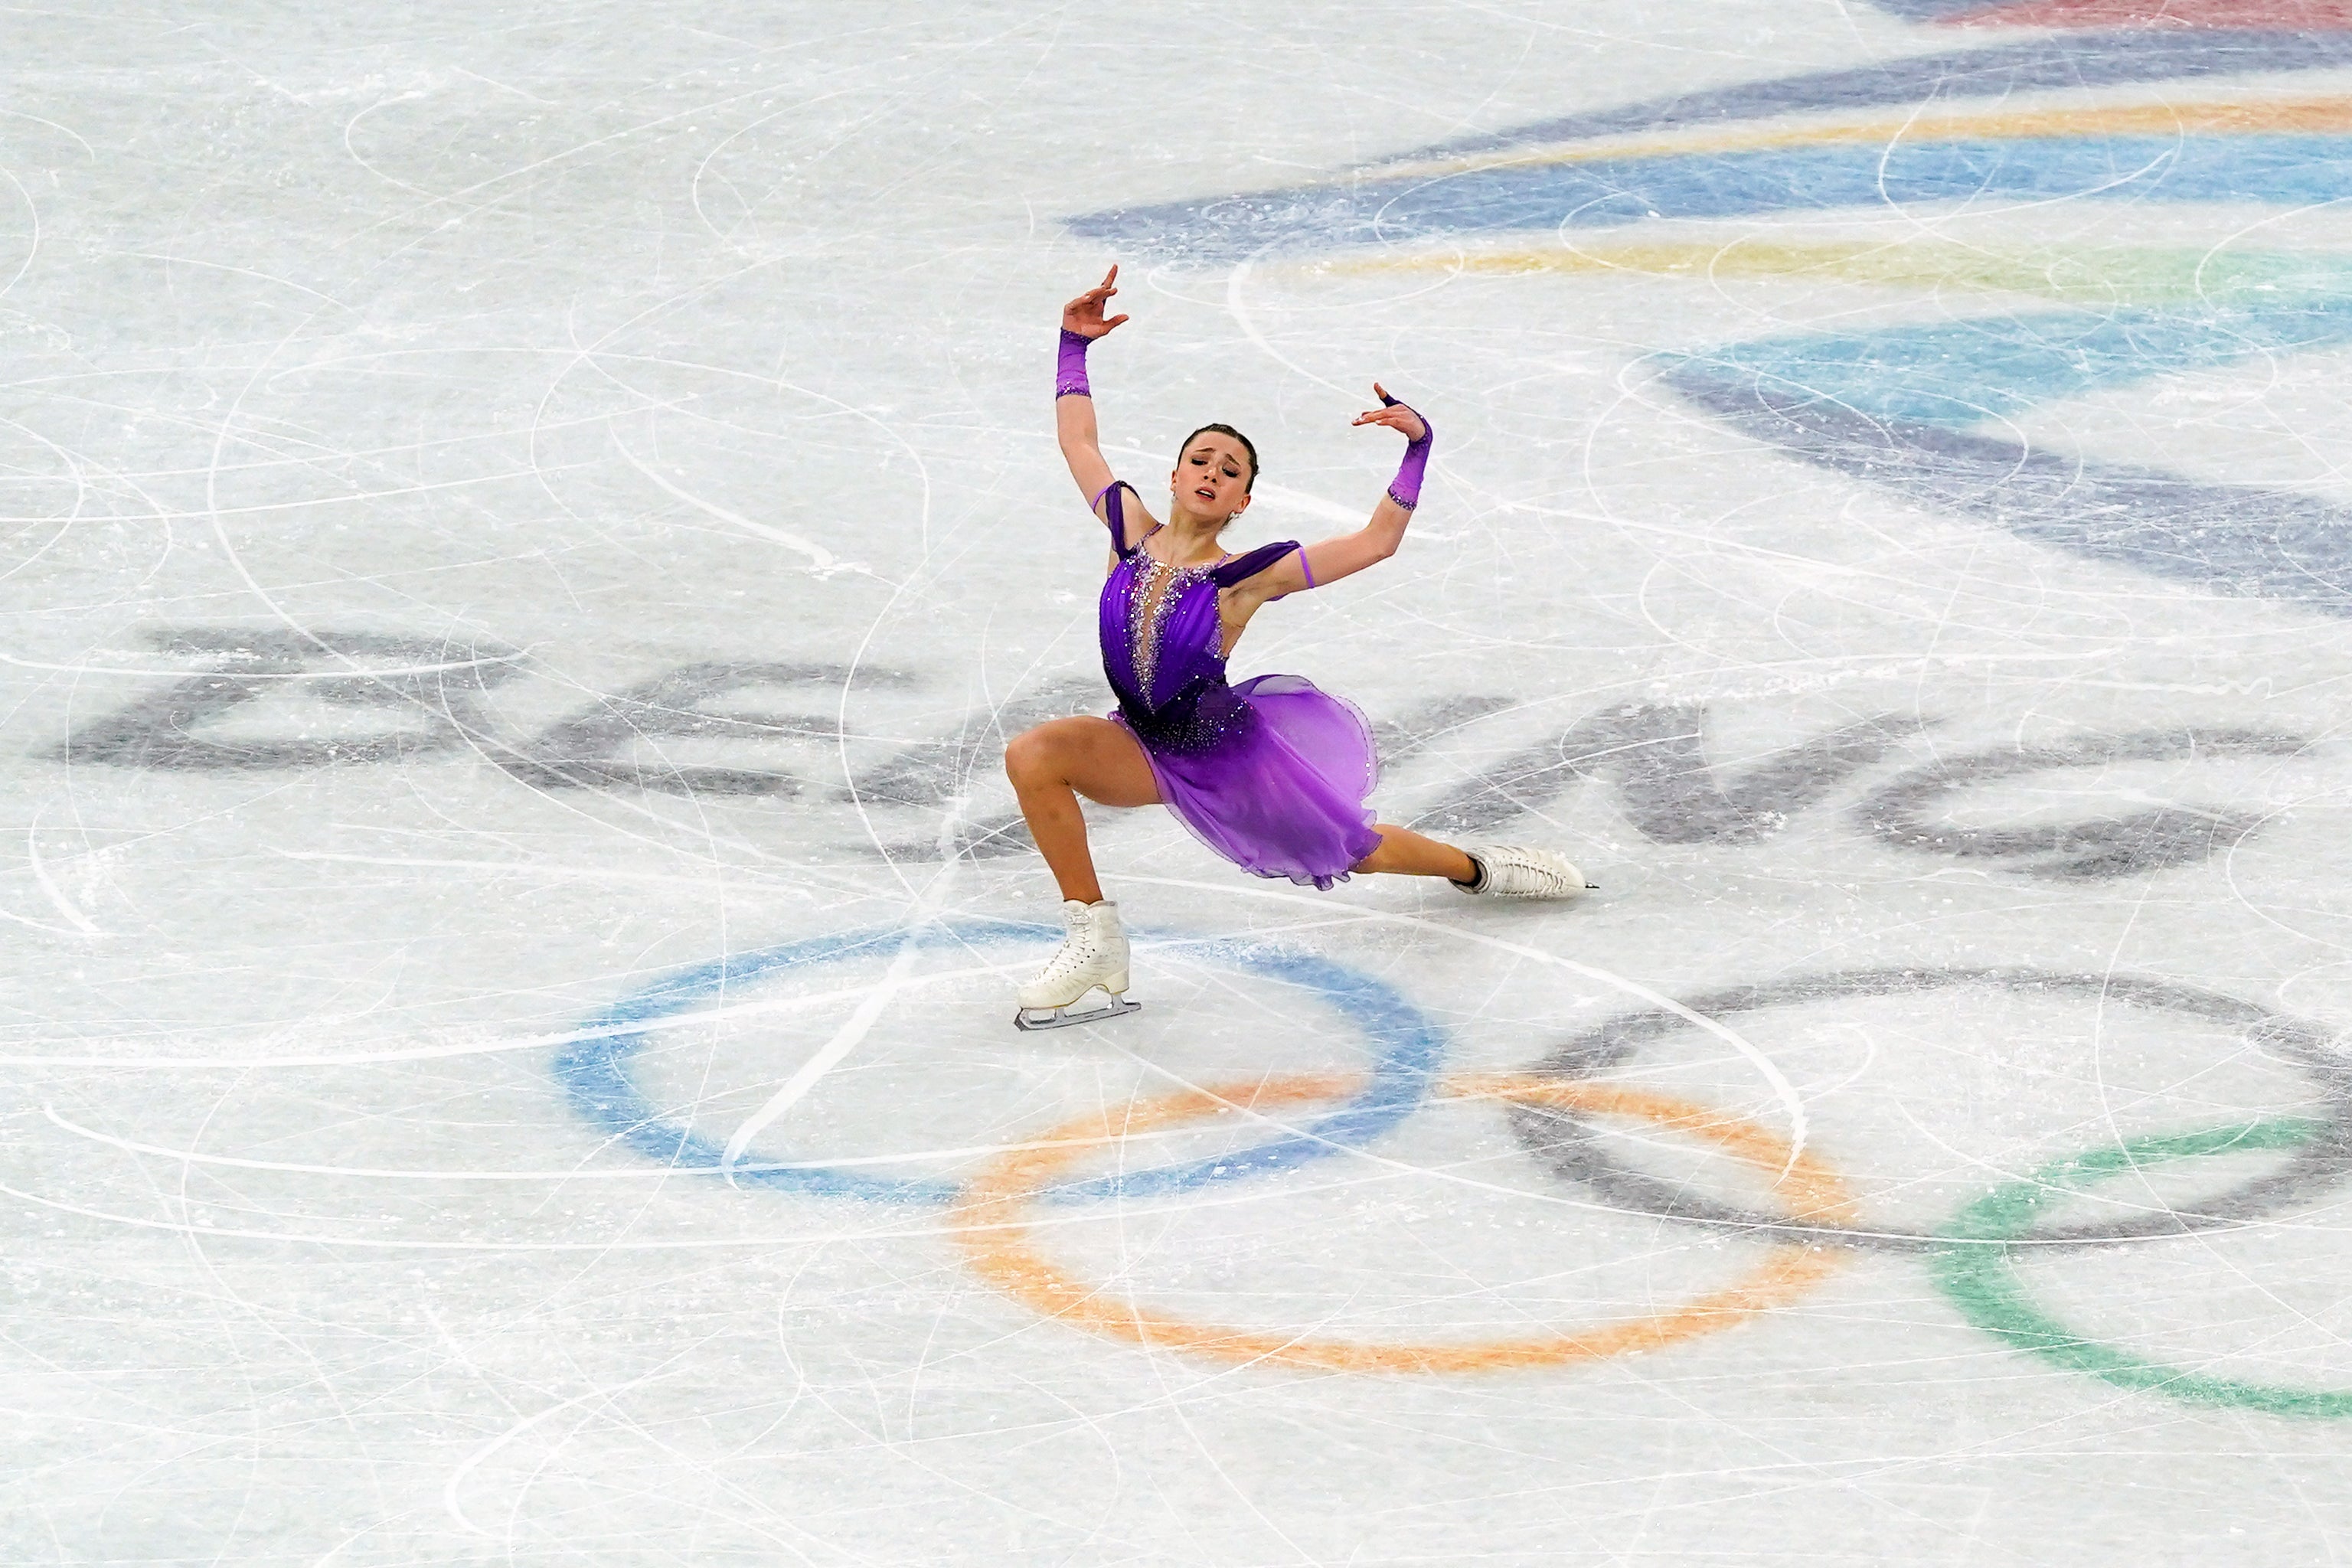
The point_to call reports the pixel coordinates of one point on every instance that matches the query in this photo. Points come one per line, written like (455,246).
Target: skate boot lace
(1517,871)
(1077,951)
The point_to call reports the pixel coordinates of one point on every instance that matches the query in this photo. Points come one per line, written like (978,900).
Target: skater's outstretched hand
(1084,315)
(1394,415)
(1073,408)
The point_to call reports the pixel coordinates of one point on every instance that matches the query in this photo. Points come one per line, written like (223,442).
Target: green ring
(1983,1281)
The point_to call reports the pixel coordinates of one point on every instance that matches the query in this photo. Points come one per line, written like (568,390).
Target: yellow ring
(1000,1247)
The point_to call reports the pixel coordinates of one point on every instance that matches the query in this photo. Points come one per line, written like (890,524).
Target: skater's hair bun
(1247,445)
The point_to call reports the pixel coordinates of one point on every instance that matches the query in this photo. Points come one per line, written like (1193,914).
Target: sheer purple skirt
(1284,796)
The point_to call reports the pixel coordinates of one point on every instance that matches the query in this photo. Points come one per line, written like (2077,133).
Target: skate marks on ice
(429,691)
(617,742)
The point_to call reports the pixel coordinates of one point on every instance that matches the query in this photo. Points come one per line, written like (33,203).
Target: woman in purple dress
(1271,773)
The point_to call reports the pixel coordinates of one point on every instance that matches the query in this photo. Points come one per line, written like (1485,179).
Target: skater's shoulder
(1122,511)
(1238,569)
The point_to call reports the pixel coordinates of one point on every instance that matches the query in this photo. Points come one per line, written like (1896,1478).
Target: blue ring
(1406,1050)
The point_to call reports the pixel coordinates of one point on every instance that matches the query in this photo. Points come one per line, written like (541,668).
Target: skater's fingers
(1114,322)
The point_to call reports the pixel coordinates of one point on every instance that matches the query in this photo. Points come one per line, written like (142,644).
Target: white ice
(488,395)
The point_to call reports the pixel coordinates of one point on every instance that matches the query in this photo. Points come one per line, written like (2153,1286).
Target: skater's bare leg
(1050,766)
(1406,853)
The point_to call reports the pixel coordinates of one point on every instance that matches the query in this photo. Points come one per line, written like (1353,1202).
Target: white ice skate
(1093,957)
(1510,871)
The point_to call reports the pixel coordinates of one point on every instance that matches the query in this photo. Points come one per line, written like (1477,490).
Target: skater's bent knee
(1094,758)
(1029,759)
(1040,756)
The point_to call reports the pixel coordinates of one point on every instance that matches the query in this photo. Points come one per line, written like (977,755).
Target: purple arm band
(1303,569)
(1070,370)
(1406,489)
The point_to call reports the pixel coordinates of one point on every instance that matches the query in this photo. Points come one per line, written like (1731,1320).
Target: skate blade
(1035,1018)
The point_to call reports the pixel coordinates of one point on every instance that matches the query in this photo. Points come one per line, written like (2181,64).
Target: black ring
(1570,1148)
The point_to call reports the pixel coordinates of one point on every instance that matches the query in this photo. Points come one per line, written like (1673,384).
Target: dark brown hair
(1247,445)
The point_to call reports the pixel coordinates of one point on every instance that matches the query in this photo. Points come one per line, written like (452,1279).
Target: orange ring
(999,1245)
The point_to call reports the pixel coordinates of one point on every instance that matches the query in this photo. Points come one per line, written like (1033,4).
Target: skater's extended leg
(1500,870)
(1052,765)
(1403,852)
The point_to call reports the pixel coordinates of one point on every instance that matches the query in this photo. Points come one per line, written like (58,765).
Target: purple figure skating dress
(1272,774)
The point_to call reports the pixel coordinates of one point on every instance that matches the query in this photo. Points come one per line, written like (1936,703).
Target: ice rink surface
(527,530)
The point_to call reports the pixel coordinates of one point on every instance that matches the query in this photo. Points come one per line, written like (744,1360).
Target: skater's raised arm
(1329,559)
(1073,403)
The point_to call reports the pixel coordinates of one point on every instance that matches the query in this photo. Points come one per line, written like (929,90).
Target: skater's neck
(1185,540)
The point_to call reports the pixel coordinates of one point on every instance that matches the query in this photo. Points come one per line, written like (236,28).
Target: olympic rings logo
(1405,1050)
(1003,1252)
(1813,1229)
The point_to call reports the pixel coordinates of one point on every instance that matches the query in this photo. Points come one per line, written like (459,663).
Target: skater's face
(1213,477)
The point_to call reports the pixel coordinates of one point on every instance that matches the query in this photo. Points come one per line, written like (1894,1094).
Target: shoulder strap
(1241,568)
(1115,516)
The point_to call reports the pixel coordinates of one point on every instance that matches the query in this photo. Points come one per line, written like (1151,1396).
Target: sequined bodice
(1163,638)
(1157,590)
(1161,634)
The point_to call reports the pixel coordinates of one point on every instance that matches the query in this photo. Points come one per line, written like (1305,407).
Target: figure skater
(1271,773)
